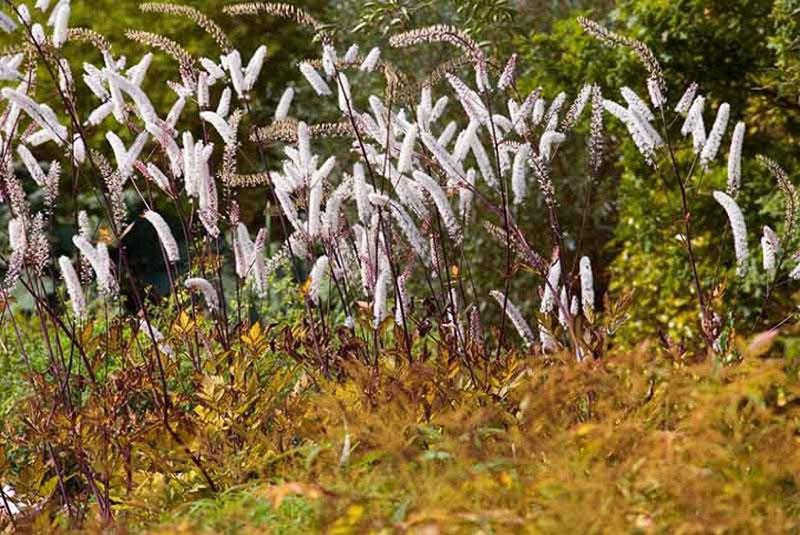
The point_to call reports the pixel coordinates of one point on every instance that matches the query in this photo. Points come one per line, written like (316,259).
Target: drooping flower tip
(738,228)
(164,235)
(204,287)
(73,284)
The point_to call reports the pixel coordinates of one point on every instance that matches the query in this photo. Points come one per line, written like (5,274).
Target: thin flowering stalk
(439,33)
(195,15)
(276,9)
(644,53)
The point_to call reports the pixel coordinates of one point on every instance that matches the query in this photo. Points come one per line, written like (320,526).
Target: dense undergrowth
(220,315)
(644,441)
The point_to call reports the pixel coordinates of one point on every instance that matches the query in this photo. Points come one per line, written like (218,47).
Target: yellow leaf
(104,235)
(305,287)
(254,335)
(49,486)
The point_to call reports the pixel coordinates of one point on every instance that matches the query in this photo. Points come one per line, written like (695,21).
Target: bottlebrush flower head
(656,95)
(369,63)
(282,110)
(73,284)
(315,80)
(204,287)
(60,24)
(576,109)
(379,297)
(509,73)
(164,235)
(686,100)
(738,228)
(547,141)
(550,288)
(442,204)
(770,248)
(694,124)
(519,183)
(735,159)
(407,150)
(317,276)
(636,104)
(587,286)
(516,318)
(714,140)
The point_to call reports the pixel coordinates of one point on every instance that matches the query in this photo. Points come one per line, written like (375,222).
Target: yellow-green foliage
(637,442)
